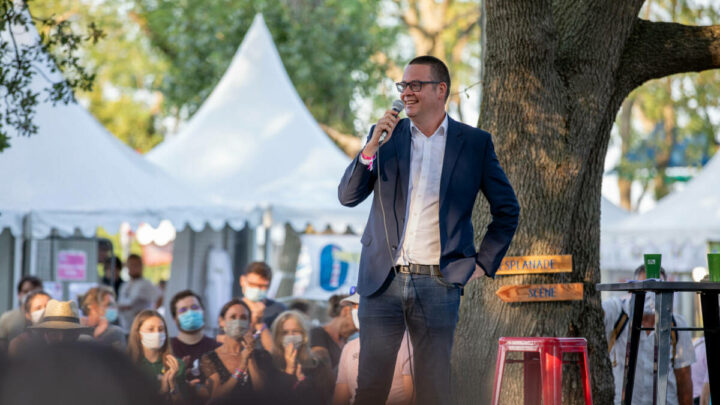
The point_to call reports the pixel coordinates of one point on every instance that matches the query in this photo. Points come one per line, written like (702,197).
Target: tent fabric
(73,176)
(254,143)
(679,227)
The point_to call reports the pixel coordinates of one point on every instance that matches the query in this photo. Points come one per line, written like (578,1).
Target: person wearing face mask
(332,336)
(682,353)
(149,348)
(100,309)
(255,283)
(237,369)
(188,311)
(34,308)
(305,375)
(13,322)
(401,390)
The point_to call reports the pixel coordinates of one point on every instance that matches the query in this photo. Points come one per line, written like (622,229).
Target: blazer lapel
(402,148)
(453,146)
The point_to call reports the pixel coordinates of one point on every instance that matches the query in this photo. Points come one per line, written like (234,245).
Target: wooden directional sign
(541,292)
(535,265)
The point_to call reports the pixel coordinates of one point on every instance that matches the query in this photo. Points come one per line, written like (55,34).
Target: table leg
(637,301)
(711,323)
(663,325)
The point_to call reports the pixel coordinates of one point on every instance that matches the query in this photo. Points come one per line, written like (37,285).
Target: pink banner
(71,265)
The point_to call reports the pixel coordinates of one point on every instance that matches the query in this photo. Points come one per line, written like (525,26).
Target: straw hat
(61,315)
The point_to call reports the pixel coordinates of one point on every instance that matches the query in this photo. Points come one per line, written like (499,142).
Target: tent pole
(267,224)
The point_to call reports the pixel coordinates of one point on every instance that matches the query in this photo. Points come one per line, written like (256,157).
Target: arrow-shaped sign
(535,265)
(541,292)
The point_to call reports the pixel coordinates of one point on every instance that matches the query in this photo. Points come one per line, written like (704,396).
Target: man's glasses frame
(415,85)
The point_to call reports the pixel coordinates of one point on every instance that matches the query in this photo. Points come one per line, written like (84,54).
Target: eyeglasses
(415,85)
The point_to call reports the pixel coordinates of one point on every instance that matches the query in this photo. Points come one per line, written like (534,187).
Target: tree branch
(659,49)
(349,144)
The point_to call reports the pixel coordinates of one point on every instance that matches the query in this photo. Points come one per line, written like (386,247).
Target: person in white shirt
(682,353)
(135,295)
(401,390)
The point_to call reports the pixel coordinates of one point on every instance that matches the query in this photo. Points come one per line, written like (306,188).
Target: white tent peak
(74,175)
(254,143)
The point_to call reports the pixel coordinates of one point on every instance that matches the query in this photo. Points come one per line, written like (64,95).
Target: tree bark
(554,76)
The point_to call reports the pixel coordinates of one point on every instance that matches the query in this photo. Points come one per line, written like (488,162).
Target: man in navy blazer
(418,250)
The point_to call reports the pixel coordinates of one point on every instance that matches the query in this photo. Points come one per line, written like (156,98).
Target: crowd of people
(263,352)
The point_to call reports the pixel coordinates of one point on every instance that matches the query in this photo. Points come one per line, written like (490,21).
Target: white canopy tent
(73,177)
(253,143)
(679,227)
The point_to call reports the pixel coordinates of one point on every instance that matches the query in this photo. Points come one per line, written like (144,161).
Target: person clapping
(149,348)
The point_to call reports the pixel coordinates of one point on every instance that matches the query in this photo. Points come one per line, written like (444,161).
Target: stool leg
(532,384)
(585,371)
(499,369)
(552,375)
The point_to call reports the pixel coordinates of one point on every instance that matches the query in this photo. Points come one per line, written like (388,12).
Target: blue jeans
(431,307)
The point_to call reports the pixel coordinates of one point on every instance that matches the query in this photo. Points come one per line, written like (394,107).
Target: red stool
(542,367)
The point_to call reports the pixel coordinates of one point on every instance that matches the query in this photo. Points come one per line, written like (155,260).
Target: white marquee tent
(253,143)
(73,176)
(679,227)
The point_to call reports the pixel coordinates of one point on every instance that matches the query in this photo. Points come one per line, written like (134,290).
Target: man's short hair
(438,69)
(183,294)
(641,270)
(36,282)
(134,256)
(259,268)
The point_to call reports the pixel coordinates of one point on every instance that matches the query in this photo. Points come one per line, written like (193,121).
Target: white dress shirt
(643,389)
(420,239)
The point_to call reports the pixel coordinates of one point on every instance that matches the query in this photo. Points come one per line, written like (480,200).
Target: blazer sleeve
(358,181)
(504,209)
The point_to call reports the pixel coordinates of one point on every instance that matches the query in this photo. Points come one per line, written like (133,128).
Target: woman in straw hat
(149,347)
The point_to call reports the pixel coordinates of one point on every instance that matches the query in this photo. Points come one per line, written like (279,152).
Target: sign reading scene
(535,265)
(541,292)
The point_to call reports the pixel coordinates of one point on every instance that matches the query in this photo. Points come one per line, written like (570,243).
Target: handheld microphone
(397,106)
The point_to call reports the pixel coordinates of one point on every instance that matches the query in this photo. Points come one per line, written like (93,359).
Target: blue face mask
(191,320)
(111,314)
(255,294)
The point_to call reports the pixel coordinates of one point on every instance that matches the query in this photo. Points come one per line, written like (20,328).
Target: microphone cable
(411,355)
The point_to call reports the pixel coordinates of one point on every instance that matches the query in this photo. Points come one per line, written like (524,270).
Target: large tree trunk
(554,77)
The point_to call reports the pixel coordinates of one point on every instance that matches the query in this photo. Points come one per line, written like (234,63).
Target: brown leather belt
(422,269)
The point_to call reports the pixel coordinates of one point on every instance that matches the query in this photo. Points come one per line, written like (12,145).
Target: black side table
(663,326)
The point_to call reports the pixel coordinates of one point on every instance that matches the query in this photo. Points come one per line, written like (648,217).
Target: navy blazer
(469,166)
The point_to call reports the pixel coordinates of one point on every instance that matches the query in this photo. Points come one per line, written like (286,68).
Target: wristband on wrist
(367,157)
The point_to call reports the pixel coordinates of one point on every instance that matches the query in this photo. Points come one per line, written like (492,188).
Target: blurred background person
(401,390)
(332,336)
(237,369)
(100,309)
(149,348)
(255,283)
(34,309)
(78,374)
(12,322)
(112,268)
(306,376)
(135,295)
